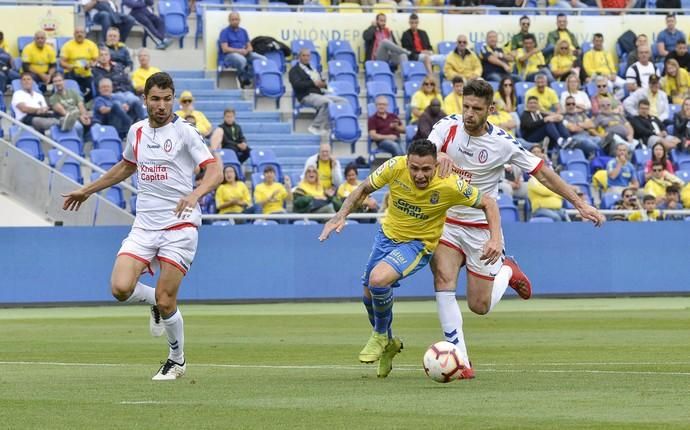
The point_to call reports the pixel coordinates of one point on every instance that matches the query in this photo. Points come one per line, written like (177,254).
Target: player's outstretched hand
(445,165)
(336,223)
(492,251)
(590,213)
(74,200)
(185,206)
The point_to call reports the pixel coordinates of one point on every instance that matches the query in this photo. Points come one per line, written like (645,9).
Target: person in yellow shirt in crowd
(503,119)
(598,62)
(452,104)
(347,187)
(77,57)
(271,194)
(39,59)
(530,60)
(563,60)
(547,97)
(462,62)
(232,196)
(140,75)
(423,97)
(3,42)
(648,213)
(685,196)
(660,180)
(203,125)
(544,202)
(328,167)
(311,196)
(676,81)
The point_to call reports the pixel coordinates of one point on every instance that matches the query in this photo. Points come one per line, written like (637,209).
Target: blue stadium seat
(103,158)
(410,132)
(559,87)
(409,88)
(609,199)
(446,47)
(200,19)
(641,156)
(113,194)
(684,164)
(230,159)
(305,222)
(684,175)
(567,155)
(581,166)
(60,42)
(520,90)
(380,88)
(380,71)
(70,167)
(577,178)
(261,158)
(22,41)
(71,84)
(507,208)
(106,137)
(30,144)
(265,222)
(344,124)
(342,71)
(68,139)
(341,50)
(446,87)
(268,81)
(541,219)
(173,13)
(279,58)
(314,7)
(345,90)
(586,46)
(413,70)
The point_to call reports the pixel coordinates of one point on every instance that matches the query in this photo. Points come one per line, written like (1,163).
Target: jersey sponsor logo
(483,156)
(154,146)
(468,191)
(466,152)
(402,185)
(151,172)
(434,197)
(167,146)
(410,209)
(464,174)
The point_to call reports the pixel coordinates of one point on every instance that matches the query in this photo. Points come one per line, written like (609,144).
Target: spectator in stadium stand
(648,213)
(69,104)
(659,180)
(77,57)
(192,120)
(572,89)
(621,173)
(328,167)
(538,150)
(681,55)
(640,40)
(668,4)
(530,60)
(422,98)
(30,106)
(232,196)
(228,135)
(107,14)
(581,129)
(658,100)
(599,62)
(671,201)
(462,62)
(649,129)
(681,126)
(237,49)
(544,202)
(417,42)
(203,125)
(271,194)
(369,204)
(613,128)
(660,154)
(310,196)
(637,75)
(385,128)
(512,183)
(506,100)
(502,119)
(7,72)
(140,75)
(562,33)
(311,90)
(118,50)
(563,61)
(109,111)
(123,92)
(39,59)
(142,12)
(516,42)
(628,202)
(496,64)
(675,82)
(432,114)
(548,99)
(667,39)
(603,85)
(615,4)
(452,103)
(380,44)
(535,125)
(3,42)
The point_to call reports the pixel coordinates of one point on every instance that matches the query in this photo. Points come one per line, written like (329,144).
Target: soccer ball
(442,362)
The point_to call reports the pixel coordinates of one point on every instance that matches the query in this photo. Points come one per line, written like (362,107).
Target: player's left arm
(355,199)
(212,178)
(552,181)
(493,248)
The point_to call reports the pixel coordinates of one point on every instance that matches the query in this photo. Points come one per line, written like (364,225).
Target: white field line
(404,367)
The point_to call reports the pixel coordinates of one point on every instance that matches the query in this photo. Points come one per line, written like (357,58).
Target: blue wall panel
(288,262)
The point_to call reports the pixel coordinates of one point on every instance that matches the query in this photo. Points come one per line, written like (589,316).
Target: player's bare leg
(166,298)
(382,276)
(483,294)
(125,287)
(445,265)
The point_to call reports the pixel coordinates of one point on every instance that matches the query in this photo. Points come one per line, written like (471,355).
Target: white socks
(174,328)
(451,321)
(142,294)
(500,285)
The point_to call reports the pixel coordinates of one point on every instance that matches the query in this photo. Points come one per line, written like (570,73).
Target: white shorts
(176,247)
(469,241)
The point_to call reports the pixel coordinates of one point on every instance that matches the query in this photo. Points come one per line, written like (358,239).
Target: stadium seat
(305,222)
(268,81)
(410,132)
(342,71)
(380,88)
(541,219)
(60,41)
(559,87)
(409,88)
(70,167)
(566,155)
(586,46)
(344,124)
(609,199)
(277,57)
(684,164)
(446,47)
(520,90)
(68,139)
(641,156)
(223,223)
(173,13)
(581,166)
(17,85)
(113,194)
(684,175)
(313,7)
(200,19)
(577,178)
(71,84)
(265,222)
(446,87)
(103,158)
(347,7)
(106,137)
(22,41)
(345,90)
(380,71)
(507,208)
(413,70)
(341,50)
(30,144)
(261,158)
(230,159)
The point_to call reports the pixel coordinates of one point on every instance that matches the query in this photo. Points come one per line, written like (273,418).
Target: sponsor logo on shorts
(397,256)
(434,197)
(483,156)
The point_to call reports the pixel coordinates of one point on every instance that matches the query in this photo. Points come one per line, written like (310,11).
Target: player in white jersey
(164,151)
(479,151)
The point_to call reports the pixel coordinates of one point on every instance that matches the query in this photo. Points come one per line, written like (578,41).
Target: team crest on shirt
(483,156)
(434,197)
(167,146)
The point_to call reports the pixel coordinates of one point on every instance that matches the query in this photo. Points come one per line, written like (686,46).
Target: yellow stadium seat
(350,8)
(386,8)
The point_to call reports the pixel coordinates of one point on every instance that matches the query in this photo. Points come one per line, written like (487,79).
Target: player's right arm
(118,173)
(355,199)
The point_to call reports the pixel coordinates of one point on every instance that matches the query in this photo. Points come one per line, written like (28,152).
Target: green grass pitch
(543,364)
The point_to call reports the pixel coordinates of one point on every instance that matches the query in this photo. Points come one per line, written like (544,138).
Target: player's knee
(378,280)
(165,302)
(479,307)
(443,279)
(121,290)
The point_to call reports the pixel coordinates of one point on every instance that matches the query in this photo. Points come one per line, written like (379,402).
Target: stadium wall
(73,264)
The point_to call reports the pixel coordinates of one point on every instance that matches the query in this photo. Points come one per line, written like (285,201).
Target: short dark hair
(457,79)
(681,42)
(597,35)
(530,98)
(56,75)
(380,14)
(673,189)
(670,15)
(560,15)
(422,148)
(161,80)
(524,17)
(269,168)
(479,88)
(648,198)
(644,102)
(413,16)
(529,36)
(228,110)
(350,167)
(25,74)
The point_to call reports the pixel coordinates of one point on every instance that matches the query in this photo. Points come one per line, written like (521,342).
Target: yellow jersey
(415,214)
(548,100)
(452,104)
(263,192)
(227,192)
(79,56)
(531,65)
(140,76)
(599,63)
(421,101)
(325,173)
(39,60)
(501,117)
(677,88)
(202,123)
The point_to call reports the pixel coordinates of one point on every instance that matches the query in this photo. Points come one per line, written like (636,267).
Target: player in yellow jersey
(409,234)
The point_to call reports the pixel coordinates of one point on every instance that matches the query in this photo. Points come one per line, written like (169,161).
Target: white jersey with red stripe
(481,159)
(166,158)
